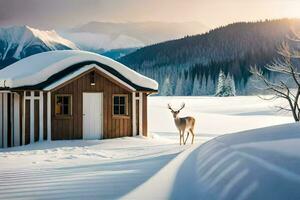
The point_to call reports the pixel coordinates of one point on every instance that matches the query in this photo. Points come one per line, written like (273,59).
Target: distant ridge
(141,32)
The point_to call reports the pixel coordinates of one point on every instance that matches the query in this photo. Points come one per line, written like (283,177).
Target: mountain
(105,35)
(98,42)
(196,61)
(118,53)
(18,42)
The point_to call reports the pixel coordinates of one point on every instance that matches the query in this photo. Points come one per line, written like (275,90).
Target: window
(63,105)
(120,105)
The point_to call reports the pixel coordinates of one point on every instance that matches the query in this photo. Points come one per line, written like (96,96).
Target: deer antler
(169,106)
(182,106)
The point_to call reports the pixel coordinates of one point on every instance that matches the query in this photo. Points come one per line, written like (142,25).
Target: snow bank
(38,68)
(160,185)
(256,164)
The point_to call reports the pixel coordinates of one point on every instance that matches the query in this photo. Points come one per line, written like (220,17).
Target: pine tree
(187,86)
(210,86)
(221,88)
(204,88)
(166,88)
(196,87)
(226,85)
(179,88)
(230,86)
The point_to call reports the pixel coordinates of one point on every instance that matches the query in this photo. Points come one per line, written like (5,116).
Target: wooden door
(92,116)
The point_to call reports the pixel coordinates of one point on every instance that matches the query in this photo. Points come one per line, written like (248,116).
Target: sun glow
(292,9)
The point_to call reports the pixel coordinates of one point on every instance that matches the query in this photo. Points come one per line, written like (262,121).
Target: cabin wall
(72,127)
(45,116)
(22,113)
(32,116)
(9,119)
(145,115)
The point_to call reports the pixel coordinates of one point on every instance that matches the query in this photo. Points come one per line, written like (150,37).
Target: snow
(50,37)
(216,115)
(24,36)
(96,41)
(243,165)
(82,169)
(255,164)
(38,68)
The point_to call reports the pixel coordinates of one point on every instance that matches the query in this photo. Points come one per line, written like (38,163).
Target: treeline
(198,59)
(200,79)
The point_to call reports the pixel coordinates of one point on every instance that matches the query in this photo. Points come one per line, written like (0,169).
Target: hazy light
(62,13)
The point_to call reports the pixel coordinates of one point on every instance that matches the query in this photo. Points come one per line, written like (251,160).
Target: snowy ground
(259,164)
(115,168)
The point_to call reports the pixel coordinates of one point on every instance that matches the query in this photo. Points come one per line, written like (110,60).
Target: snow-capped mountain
(106,35)
(98,41)
(18,42)
(111,39)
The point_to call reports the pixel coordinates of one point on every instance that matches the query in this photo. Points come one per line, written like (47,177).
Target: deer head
(175,113)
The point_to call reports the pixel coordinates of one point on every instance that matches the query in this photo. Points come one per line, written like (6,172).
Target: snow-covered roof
(40,67)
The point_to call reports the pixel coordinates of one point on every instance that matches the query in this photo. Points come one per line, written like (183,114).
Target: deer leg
(180,136)
(187,137)
(192,132)
(183,132)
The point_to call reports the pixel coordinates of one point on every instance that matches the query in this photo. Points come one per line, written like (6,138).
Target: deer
(183,124)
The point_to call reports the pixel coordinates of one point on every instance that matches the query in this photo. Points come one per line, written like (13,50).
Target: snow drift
(256,164)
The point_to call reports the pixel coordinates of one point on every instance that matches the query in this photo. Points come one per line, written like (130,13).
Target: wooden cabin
(66,95)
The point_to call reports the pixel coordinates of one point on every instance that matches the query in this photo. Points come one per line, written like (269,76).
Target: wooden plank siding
(36,120)
(145,115)
(45,115)
(71,127)
(20,115)
(9,123)
(137,117)
(27,121)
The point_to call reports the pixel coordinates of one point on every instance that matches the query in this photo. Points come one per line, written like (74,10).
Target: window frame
(71,106)
(126,115)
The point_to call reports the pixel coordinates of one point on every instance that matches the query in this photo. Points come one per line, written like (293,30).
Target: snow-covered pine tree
(179,88)
(187,86)
(230,86)
(226,86)
(203,85)
(210,86)
(233,85)
(196,87)
(166,89)
(221,88)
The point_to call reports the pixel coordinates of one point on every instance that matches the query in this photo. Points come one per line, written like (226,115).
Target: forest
(194,62)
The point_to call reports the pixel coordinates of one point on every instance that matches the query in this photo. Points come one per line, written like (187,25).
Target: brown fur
(183,124)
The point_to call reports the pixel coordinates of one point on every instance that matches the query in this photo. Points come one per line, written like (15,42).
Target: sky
(59,14)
